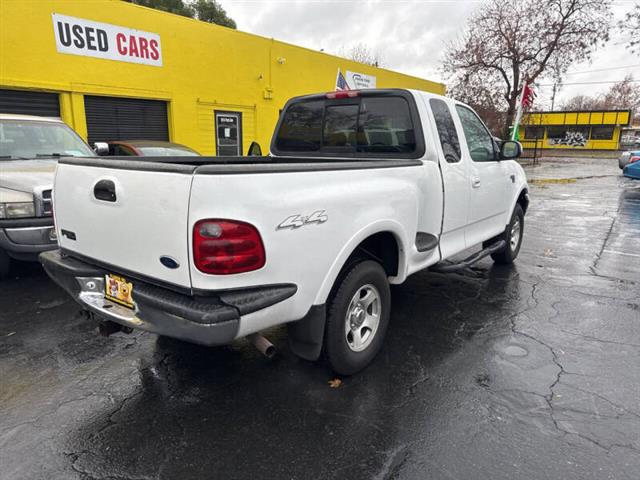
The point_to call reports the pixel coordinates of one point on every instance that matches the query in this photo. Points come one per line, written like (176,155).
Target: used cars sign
(103,40)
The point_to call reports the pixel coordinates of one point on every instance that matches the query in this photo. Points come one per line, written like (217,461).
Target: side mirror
(101,148)
(510,149)
(255,150)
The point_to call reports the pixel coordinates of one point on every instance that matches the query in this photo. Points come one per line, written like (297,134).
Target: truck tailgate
(126,218)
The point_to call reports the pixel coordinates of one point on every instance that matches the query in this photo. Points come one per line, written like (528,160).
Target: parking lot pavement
(530,371)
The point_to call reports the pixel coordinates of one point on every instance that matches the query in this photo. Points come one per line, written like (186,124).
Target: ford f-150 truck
(361,190)
(29,148)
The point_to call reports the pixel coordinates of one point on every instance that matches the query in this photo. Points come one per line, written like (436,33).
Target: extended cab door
(455,176)
(488,179)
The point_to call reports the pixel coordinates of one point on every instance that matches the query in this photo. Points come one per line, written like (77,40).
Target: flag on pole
(341,82)
(525,100)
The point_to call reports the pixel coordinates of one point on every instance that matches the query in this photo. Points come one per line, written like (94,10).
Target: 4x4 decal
(297,221)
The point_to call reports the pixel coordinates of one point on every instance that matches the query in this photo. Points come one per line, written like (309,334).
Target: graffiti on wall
(571,139)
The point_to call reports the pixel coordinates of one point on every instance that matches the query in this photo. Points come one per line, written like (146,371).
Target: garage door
(29,103)
(111,118)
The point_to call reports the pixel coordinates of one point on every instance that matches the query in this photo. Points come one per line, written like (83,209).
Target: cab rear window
(359,126)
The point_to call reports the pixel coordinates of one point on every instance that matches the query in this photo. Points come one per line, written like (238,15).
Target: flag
(525,100)
(341,82)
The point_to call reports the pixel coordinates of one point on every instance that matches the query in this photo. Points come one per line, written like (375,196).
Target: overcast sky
(410,35)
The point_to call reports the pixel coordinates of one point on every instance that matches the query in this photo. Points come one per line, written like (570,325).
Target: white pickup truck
(362,189)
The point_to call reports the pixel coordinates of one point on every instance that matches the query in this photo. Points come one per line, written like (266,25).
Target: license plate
(118,289)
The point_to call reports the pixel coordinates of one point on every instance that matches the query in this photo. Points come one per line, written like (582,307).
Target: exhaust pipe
(263,345)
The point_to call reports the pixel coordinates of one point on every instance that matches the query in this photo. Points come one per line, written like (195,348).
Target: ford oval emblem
(169,262)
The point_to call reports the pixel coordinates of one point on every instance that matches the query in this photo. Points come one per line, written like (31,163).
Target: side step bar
(467,262)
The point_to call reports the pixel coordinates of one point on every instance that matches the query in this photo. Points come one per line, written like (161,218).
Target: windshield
(26,139)
(174,151)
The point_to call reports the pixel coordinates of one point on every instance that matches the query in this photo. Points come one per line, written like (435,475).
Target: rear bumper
(213,319)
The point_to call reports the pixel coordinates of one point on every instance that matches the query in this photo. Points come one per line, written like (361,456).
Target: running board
(467,262)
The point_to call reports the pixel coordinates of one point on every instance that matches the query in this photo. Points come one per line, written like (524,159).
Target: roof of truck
(34,118)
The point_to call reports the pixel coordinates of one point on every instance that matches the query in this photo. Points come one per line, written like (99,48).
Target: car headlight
(17,210)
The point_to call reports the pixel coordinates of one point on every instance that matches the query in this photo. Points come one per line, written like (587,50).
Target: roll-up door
(25,102)
(112,118)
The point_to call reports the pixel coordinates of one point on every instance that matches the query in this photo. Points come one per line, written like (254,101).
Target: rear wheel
(512,236)
(5,264)
(358,318)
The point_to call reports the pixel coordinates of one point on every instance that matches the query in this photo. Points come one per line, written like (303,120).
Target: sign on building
(77,36)
(358,81)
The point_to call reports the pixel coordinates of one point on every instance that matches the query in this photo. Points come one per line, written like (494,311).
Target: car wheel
(5,264)
(513,236)
(358,317)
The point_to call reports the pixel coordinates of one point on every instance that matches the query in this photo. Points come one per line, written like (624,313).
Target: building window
(571,135)
(601,133)
(531,132)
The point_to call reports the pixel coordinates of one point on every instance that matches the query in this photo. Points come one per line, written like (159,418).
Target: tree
(206,10)
(621,96)
(508,42)
(583,103)
(212,12)
(361,53)
(630,27)
(177,7)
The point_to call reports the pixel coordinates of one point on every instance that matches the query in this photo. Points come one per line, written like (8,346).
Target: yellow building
(595,130)
(113,70)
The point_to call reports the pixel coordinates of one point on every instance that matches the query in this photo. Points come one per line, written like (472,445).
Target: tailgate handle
(105,190)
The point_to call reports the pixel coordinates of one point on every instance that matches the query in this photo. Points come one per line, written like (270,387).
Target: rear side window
(301,128)
(446,130)
(357,126)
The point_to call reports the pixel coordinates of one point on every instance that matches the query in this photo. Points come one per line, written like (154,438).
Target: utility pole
(553,96)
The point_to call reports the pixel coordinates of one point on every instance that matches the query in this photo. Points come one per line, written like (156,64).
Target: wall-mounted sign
(358,81)
(77,36)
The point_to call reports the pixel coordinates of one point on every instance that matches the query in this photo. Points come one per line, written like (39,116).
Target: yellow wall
(205,68)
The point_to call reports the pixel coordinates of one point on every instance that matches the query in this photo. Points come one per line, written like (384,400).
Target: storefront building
(113,70)
(595,130)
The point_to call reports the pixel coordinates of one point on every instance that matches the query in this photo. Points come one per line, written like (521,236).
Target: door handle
(475,182)
(105,190)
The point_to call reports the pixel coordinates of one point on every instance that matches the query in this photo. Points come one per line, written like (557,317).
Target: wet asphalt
(530,371)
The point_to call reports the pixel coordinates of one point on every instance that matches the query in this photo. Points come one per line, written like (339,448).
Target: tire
(5,264)
(357,318)
(515,227)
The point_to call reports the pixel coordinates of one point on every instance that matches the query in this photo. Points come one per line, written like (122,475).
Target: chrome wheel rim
(363,318)
(516,230)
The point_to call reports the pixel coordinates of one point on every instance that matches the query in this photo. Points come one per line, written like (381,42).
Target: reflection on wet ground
(522,372)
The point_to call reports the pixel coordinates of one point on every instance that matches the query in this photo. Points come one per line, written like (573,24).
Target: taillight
(634,159)
(223,247)
(342,94)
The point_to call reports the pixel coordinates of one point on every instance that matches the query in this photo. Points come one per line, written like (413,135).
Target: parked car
(29,149)
(632,170)
(311,236)
(149,148)
(628,157)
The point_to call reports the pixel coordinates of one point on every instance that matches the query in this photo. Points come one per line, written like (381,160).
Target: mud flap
(307,334)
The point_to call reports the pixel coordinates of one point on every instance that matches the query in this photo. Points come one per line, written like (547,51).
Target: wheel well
(382,247)
(523,200)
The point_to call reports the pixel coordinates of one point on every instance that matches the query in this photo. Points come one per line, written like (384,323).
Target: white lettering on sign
(358,81)
(77,36)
